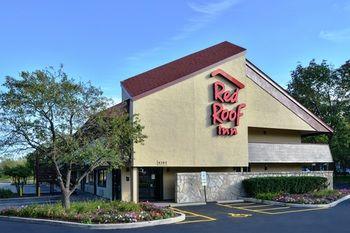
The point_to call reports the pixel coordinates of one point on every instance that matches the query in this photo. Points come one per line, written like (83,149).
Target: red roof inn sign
(220,113)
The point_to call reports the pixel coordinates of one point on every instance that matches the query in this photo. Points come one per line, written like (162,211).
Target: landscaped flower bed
(319,197)
(99,212)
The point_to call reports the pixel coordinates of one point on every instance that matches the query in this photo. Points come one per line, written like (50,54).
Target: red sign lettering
(220,114)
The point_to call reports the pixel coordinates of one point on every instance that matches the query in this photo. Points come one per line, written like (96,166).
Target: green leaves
(66,122)
(326,92)
(283,184)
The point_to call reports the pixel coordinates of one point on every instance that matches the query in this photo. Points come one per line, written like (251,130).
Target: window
(90,178)
(102,177)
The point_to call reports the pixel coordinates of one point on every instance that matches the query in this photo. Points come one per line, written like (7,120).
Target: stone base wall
(226,185)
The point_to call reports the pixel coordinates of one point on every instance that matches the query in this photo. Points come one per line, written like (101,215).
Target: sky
(108,41)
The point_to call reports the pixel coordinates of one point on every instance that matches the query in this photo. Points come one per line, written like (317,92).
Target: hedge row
(284,184)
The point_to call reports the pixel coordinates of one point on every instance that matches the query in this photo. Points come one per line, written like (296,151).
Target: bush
(319,197)
(326,193)
(97,211)
(5,193)
(283,184)
(267,196)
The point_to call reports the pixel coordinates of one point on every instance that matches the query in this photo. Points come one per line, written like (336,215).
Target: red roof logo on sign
(220,114)
(228,77)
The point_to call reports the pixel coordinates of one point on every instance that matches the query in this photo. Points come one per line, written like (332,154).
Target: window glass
(102,177)
(90,178)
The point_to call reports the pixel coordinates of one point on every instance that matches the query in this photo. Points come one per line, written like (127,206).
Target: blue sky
(109,41)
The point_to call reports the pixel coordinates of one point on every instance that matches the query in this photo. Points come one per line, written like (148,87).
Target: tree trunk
(66,199)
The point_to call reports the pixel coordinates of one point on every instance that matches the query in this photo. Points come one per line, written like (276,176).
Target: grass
(98,211)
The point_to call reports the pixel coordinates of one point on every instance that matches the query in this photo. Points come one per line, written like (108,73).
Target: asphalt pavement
(228,217)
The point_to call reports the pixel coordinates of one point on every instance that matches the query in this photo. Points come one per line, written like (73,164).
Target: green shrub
(267,196)
(283,184)
(97,211)
(5,193)
(326,193)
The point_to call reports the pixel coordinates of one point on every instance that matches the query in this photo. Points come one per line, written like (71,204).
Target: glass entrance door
(116,184)
(150,184)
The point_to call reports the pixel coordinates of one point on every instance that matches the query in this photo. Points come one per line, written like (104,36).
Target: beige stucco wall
(275,167)
(273,135)
(125,182)
(264,111)
(177,121)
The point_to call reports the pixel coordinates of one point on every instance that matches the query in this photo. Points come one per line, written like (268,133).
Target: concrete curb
(230,201)
(176,219)
(187,204)
(298,205)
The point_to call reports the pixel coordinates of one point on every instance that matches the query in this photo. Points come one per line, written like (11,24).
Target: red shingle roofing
(177,69)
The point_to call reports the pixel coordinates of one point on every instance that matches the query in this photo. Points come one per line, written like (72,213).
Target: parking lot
(266,209)
(228,217)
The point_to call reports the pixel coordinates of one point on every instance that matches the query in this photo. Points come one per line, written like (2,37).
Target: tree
(19,175)
(67,122)
(326,92)
(7,162)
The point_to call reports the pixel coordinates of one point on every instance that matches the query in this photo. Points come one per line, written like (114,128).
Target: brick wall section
(226,185)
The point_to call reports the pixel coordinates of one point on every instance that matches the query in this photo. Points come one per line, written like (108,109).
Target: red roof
(157,77)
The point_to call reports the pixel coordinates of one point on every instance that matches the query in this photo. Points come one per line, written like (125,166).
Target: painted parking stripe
(270,210)
(276,208)
(241,204)
(241,208)
(190,214)
(256,206)
(296,211)
(193,221)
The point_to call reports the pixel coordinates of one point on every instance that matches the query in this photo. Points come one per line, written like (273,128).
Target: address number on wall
(162,163)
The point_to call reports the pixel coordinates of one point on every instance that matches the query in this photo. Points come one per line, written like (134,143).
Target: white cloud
(212,8)
(203,14)
(340,35)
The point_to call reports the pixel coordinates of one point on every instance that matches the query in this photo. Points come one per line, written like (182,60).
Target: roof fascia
(282,91)
(134,98)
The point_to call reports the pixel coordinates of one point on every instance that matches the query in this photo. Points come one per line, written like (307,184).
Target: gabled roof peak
(153,79)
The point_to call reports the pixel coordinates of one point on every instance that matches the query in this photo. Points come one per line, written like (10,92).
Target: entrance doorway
(116,184)
(150,184)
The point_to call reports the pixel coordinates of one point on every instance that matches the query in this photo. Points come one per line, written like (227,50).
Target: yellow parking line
(276,208)
(256,206)
(239,208)
(264,211)
(241,204)
(246,209)
(296,211)
(193,221)
(194,214)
